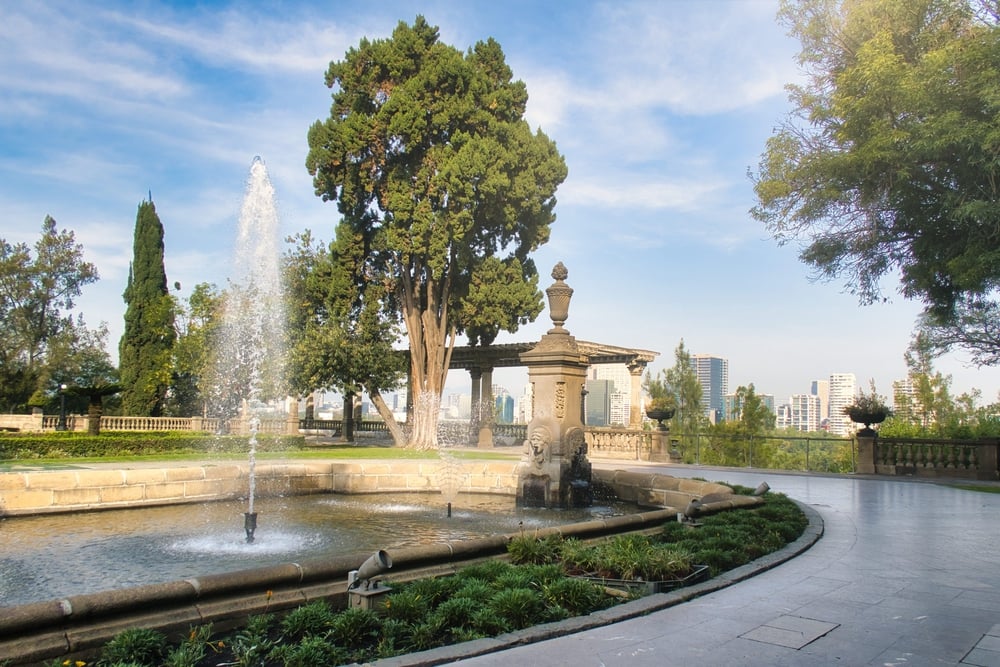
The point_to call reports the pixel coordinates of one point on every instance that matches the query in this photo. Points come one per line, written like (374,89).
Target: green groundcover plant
(482,600)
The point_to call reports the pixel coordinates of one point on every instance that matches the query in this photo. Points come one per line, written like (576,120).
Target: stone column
(476,375)
(292,420)
(635,369)
(866,452)
(486,410)
(554,471)
(986,454)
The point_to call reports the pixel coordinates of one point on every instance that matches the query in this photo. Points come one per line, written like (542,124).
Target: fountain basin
(95,487)
(80,624)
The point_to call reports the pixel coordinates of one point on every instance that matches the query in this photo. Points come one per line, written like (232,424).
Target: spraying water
(251,347)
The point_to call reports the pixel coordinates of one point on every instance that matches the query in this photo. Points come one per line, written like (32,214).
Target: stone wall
(39,492)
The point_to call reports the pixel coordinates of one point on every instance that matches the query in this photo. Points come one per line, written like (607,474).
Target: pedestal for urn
(555,471)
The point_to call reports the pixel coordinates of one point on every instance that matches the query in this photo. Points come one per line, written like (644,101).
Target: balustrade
(973,459)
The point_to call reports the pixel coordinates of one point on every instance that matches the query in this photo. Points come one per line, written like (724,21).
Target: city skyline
(660,109)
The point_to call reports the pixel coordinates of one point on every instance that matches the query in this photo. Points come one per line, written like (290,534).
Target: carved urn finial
(559,294)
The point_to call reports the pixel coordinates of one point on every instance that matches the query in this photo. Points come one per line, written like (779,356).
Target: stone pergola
(480,361)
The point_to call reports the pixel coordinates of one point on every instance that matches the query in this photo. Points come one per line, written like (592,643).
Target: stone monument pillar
(554,471)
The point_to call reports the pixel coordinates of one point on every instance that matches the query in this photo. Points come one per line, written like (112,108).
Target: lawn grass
(981,488)
(326,452)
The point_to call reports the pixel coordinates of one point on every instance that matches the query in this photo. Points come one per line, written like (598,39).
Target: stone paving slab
(791,631)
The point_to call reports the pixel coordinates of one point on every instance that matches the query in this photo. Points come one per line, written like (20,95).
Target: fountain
(554,471)
(250,348)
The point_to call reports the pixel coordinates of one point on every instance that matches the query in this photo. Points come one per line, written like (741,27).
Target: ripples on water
(53,556)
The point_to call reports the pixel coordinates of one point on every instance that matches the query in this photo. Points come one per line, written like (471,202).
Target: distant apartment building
(713,375)
(821,389)
(609,397)
(525,404)
(805,412)
(598,402)
(843,388)
(504,407)
(906,403)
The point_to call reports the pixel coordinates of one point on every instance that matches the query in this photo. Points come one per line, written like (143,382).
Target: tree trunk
(94,411)
(347,428)
(397,433)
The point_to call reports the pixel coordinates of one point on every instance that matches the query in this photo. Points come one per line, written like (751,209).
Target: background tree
(36,288)
(197,324)
(144,352)
(690,417)
(888,161)
(435,173)
(343,330)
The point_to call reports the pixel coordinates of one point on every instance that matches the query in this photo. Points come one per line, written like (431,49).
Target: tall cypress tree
(145,349)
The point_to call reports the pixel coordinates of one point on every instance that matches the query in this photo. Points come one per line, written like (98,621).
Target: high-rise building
(620,393)
(526,404)
(713,375)
(598,402)
(805,412)
(843,387)
(821,388)
(504,404)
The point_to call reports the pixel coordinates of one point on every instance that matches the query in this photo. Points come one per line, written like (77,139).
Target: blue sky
(659,108)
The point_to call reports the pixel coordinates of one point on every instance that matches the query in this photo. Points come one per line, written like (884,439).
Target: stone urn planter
(860,416)
(660,414)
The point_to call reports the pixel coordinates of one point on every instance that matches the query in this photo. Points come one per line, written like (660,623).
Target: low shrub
(138,646)
(73,444)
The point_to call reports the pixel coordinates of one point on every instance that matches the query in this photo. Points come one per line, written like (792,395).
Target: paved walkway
(907,573)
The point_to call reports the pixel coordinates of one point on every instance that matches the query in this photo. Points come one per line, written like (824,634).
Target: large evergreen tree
(440,183)
(144,353)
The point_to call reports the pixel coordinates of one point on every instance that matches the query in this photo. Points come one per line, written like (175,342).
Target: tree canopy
(145,350)
(888,164)
(37,288)
(342,336)
(441,183)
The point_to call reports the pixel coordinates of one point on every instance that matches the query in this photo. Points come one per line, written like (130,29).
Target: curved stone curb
(636,608)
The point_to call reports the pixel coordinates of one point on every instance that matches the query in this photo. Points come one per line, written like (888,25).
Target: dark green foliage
(529,549)
(456,612)
(729,539)
(485,571)
(355,628)
(489,622)
(38,285)
(141,646)
(314,618)
(576,596)
(406,605)
(887,163)
(520,606)
(434,590)
(68,444)
(312,651)
(192,650)
(144,351)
